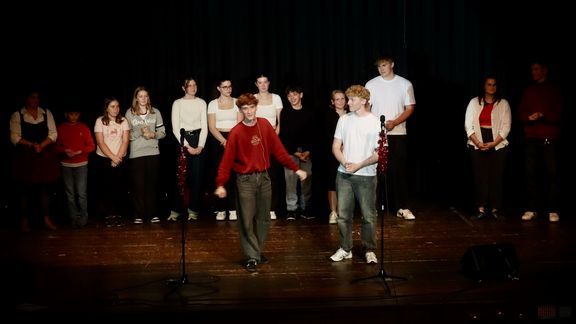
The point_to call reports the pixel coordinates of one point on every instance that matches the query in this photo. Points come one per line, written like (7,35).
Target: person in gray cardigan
(146,129)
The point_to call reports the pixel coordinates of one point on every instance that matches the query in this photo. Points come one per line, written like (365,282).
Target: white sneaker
(138,221)
(173,216)
(529,215)
(333,218)
(371,257)
(192,215)
(272,215)
(221,215)
(554,217)
(155,220)
(232,215)
(405,213)
(341,255)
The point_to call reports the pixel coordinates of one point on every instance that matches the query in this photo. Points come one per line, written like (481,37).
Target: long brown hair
(105,117)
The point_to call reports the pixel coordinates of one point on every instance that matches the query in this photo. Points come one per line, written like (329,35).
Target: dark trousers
(110,186)
(145,190)
(541,175)
(488,168)
(397,178)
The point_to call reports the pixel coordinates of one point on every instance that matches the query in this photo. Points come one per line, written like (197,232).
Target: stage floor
(137,270)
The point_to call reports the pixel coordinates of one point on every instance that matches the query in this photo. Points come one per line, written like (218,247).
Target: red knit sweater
(248,149)
(541,97)
(76,137)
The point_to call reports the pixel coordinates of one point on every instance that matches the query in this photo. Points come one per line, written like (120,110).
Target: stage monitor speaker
(491,261)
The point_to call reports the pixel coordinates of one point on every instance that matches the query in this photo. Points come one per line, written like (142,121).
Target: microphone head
(182,131)
(382,119)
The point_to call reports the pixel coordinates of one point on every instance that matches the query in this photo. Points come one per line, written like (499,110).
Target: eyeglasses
(226,87)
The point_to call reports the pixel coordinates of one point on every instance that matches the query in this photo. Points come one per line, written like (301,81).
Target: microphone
(183,134)
(382,122)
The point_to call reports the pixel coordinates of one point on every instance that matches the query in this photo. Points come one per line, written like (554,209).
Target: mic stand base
(384,277)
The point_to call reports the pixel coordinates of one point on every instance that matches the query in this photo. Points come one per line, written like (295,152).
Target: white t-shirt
(112,134)
(269,111)
(389,97)
(225,118)
(359,136)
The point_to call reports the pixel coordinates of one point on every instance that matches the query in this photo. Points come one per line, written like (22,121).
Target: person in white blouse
(270,107)
(35,166)
(190,127)
(487,123)
(223,114)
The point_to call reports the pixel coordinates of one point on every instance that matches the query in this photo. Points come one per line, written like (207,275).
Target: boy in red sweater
(74,144)
(248,149)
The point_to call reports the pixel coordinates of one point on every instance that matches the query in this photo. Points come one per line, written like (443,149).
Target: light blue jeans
(350,188)
(75,186)
(291,178)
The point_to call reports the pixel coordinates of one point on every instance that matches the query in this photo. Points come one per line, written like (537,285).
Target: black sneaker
(251,265)
(304,214)
(494,214)
(119,221)
(110,220)
(263,259)
(291,216)
(480,215)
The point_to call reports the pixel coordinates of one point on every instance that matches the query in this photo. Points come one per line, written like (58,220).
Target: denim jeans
(253,196)
(350,188)
(75,186)
(291,178)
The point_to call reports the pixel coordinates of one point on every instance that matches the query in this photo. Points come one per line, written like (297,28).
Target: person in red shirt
(74,144)
(541,112)
(248,149)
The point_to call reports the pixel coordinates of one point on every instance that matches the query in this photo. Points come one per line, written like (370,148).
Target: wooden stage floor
(128,270)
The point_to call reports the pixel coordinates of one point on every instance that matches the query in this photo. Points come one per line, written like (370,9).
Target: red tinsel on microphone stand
(181,173)
(382,152)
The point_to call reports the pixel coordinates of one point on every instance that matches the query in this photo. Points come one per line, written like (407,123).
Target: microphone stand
(181,176)
(382,168)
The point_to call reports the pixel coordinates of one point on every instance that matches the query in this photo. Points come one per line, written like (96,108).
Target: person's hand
(193,150)
(535,116)
(303,156)
(116,160)
(69,153)
(390,124)
(352,167)
(302,174)
(147,133)
(220,192)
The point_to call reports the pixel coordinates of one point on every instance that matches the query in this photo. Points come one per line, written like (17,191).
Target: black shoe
(304,214)
(251,265)
(110,220)
(263,259)
(291,216)
(480,215)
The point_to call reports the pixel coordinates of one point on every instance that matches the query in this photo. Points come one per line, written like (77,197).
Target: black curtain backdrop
(78,54)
